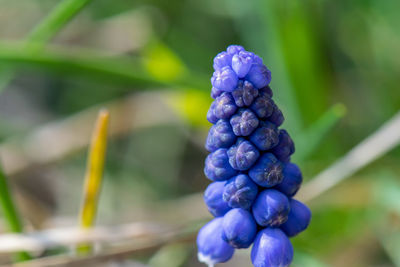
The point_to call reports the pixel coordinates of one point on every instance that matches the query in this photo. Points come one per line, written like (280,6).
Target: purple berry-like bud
(266,136)
(263,106)
(217,167)
(214,201)
(271,208)
(267,90)
(298,219)
(292,179)
(220,136)
(210,114)
(242,155)
(239,228)
(258,60)
(221,60)
(271,248)
(276,116)
(225,106)
(234,49)
(212,249)
(215,92)
(244,122)
(267,171)
(224,79)
(259,75)
(285,147)
(240,192)
(242,62)
(244,94)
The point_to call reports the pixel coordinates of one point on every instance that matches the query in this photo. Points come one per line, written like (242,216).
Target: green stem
(10,213)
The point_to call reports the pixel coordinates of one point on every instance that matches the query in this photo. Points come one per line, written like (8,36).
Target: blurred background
(335,74)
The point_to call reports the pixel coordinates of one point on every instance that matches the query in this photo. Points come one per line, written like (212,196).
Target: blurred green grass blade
(44,31)
(307,142)
(84,63)
(55,21)
(10,213)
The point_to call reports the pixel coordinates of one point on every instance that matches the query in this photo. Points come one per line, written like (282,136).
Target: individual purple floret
(292,180)
(239,228)
(224,79)
(266,136)
(212,249)
(271,249)
(267,171)
(244,122)
(298,219)
(221,60)
(220,136)
(217,167)
(259,75)
(210,114)
(214,200)
(242,155)
(267,90)
(285,147)
(240,192)
(244,94)
(234,49)
(242,62)
(225,106)
(215,92)
(263,106)
(271,208)
(276,116)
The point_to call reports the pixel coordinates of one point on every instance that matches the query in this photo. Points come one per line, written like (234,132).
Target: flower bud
(240,192)
(210,114)
(244,122)
(220,136)
(225,106)
(266,136)
(224,79)
(271,208)
(212,249)
(242,62)
(217,167)
(263,106)
(267,171)
(292,179)
(221,60)
(244,94)
(214,201)
(242,155)
(276,116)
(234,49)
(285,147)
(271,248)
(239,228)
(259,75)
(298,219)
(215,92)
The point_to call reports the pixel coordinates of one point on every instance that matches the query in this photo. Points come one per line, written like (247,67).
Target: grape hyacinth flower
(254,180)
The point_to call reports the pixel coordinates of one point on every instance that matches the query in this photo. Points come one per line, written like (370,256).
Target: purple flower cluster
(251,196)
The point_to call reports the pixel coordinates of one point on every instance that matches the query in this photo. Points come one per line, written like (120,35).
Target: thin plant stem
(94,176)
(10,213)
